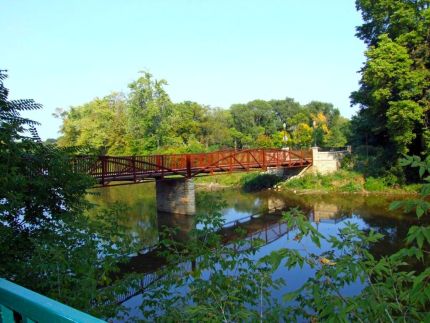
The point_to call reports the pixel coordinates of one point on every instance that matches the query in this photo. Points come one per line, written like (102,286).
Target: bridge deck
(108,169)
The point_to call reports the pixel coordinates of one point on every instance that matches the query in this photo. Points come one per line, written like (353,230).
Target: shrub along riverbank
(249,182)
(342,181)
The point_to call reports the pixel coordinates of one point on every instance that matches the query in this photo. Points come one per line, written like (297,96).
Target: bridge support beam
(176,196)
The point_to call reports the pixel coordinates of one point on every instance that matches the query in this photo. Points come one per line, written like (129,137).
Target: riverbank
(341,181)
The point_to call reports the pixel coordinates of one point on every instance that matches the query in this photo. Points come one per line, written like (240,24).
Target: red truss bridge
(108,169)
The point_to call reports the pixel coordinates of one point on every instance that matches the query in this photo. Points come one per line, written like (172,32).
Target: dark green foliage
(47,243)
(258,182)
(393,291)
(340,181)
(374,184)
(219,284)
(393,96)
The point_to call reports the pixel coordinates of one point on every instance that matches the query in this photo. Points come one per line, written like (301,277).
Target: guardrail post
(162,166)
(188,163)
(133,163)
(104,169)
(230,163)
(264,159)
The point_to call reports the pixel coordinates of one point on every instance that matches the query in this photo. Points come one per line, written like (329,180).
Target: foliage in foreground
(394,289)
(222,284)
(207,279)
(47,242)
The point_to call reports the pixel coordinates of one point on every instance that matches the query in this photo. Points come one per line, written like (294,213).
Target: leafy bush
(342,180)
(393,291)
(257,182)
(374,184)
(228,179)
(47,241)
(308,181)
(351,187)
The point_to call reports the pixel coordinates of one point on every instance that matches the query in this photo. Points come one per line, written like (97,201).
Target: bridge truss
(108,169)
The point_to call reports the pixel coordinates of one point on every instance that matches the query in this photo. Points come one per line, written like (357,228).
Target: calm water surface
(327,212)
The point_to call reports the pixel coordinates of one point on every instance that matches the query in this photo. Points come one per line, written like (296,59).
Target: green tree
(302,135)
(100,124)
(218,131)
(150,115)
(394,89)
(187,120)
(338,134)
(284,110)
(47,242)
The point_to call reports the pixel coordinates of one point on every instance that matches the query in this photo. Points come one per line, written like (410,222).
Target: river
(327,212)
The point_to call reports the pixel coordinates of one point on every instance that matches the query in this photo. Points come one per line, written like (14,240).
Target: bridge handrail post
(230,163)
(133,162)
(162,166)
(104,164)
(188,163)
(264,159)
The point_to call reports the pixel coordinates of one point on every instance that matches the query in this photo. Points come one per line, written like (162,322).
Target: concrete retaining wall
(325,162)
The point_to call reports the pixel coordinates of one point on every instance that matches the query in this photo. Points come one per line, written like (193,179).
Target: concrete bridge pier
(176,196)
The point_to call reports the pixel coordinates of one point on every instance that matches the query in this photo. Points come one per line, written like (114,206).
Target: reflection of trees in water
(371,209)
(234,198)
(141,207)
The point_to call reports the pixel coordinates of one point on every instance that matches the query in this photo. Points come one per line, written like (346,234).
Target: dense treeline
(147,121)
(394,95)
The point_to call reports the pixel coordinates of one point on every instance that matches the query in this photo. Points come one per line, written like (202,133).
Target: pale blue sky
(215,52)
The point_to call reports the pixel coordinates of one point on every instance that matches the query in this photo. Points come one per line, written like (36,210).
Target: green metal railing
(19,302)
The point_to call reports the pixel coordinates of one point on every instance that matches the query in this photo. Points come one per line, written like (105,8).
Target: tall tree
(100,124)
(394,95)
(150,117)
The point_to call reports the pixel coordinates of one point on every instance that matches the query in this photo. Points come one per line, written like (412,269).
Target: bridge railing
(19,304)
(111,168)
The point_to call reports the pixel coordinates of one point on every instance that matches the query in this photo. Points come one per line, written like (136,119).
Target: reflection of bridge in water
(262,229)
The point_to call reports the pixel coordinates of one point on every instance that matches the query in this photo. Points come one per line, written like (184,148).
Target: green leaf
(420,211)
(395,205)
(425,190)
(422,171)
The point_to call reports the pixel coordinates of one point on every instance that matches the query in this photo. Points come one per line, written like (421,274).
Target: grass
(342,181)
(348,182)
(248,181)
(226,179)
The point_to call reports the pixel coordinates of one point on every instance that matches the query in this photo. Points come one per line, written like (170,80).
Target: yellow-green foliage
(347,181)
(230,179)
(343,181)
